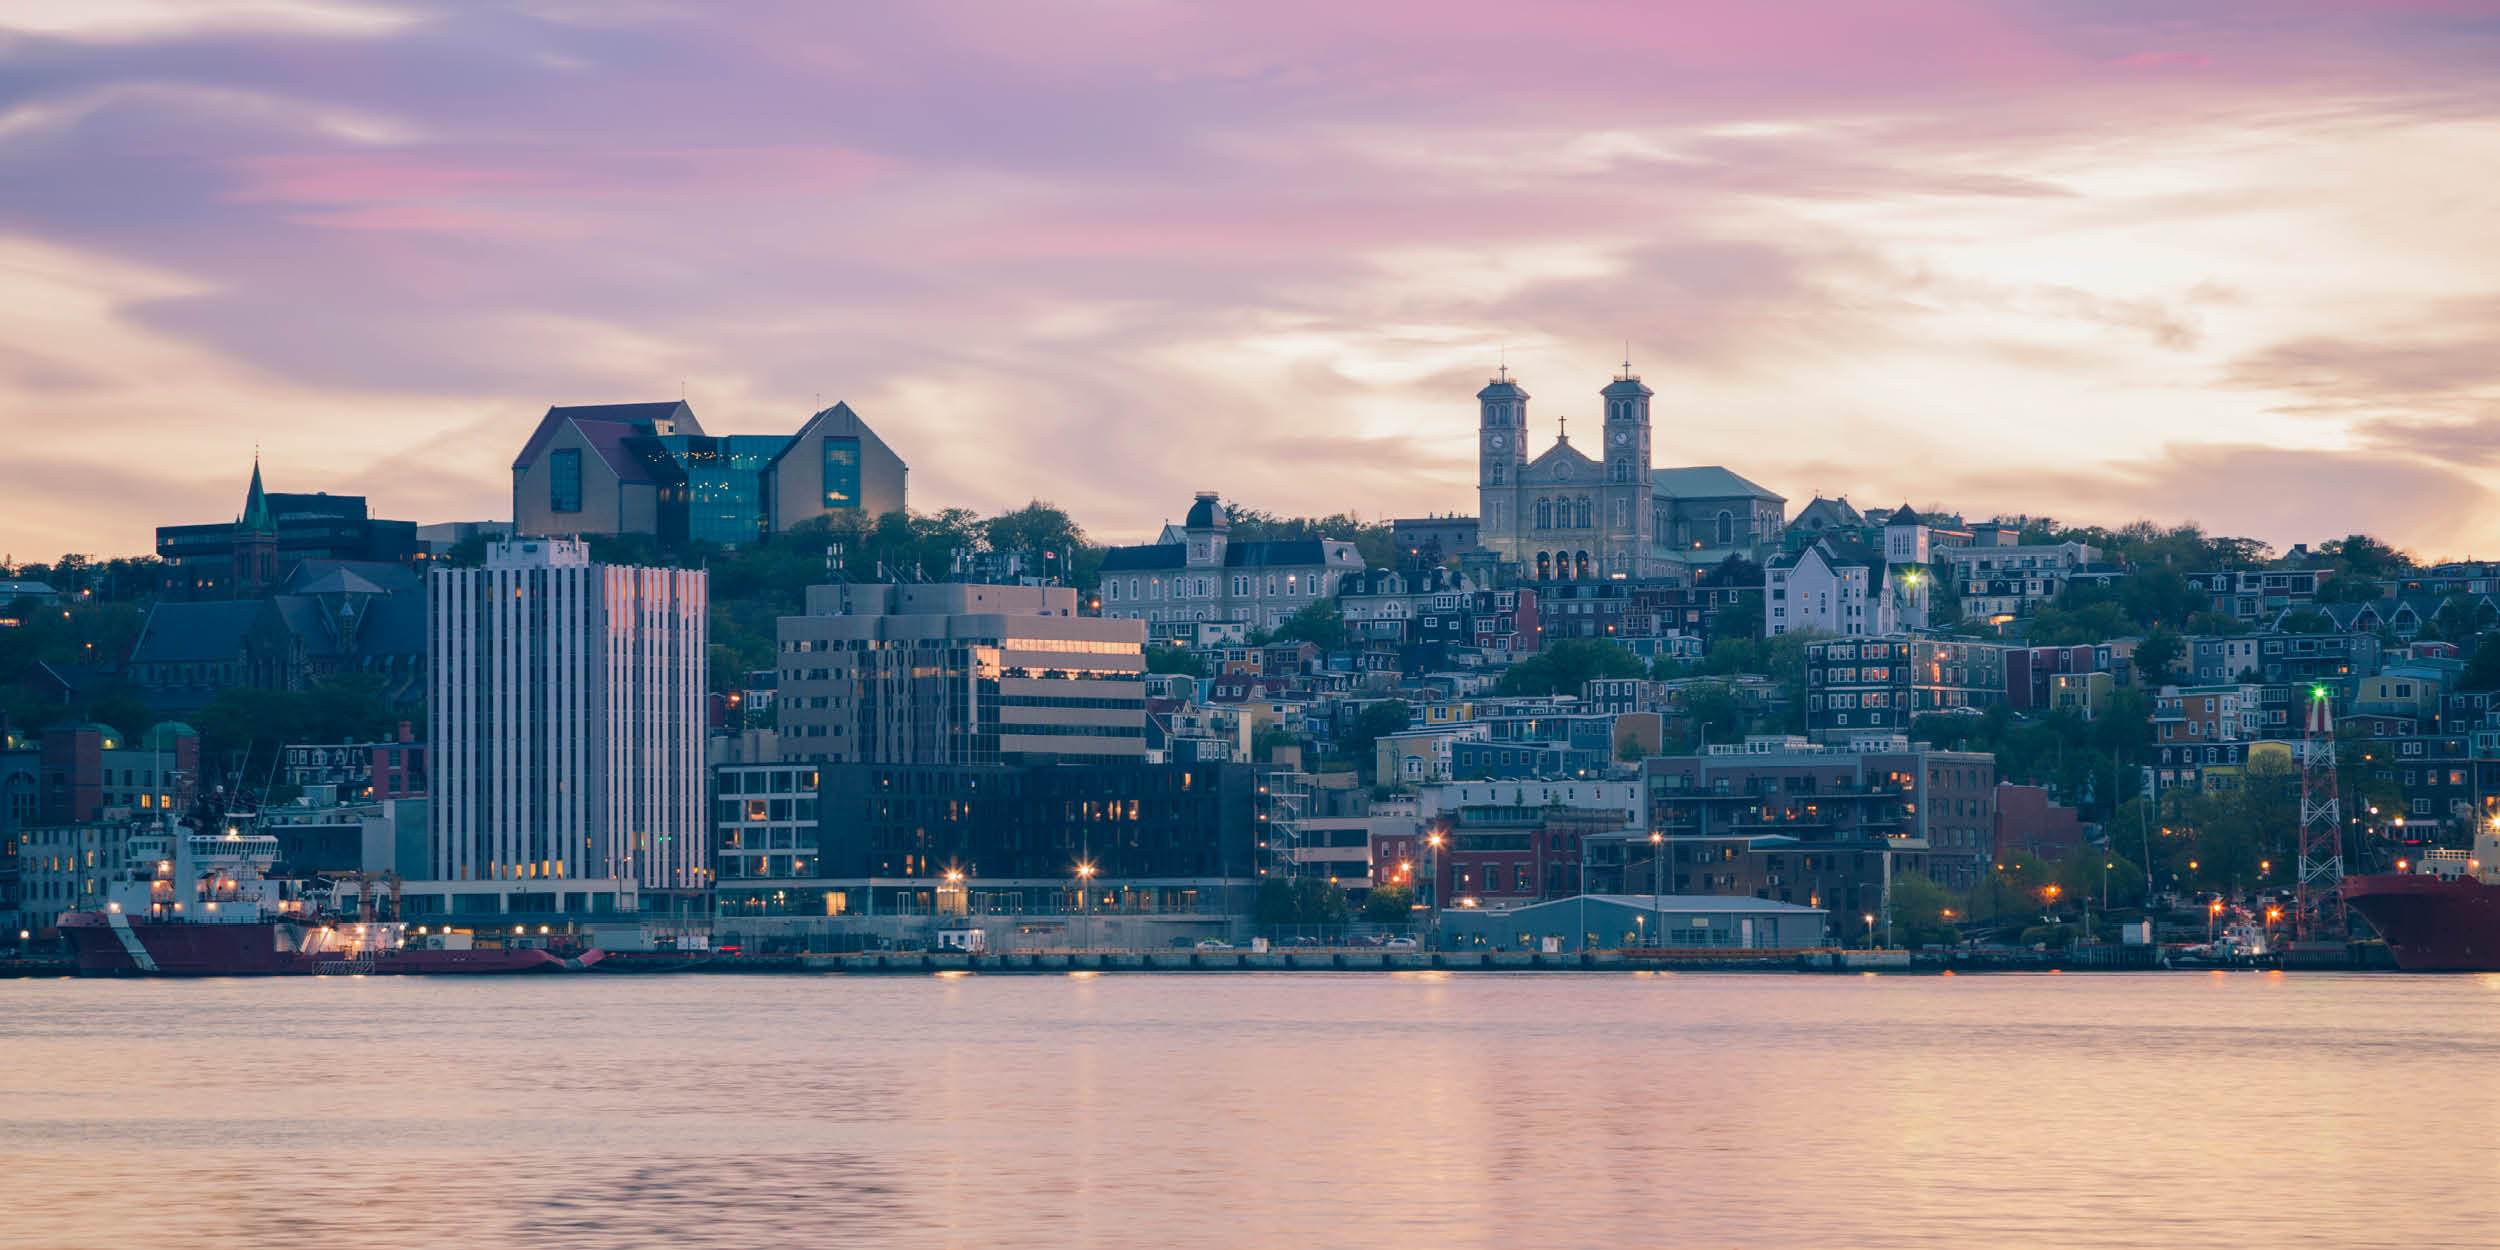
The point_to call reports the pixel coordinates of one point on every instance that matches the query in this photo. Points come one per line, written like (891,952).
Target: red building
(2028,822)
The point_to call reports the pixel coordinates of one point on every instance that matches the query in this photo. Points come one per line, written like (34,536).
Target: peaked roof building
(651,468)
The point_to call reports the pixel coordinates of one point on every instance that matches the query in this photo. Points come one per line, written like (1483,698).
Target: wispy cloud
(1110,254)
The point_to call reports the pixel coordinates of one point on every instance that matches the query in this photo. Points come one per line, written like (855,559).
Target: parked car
(1215,944)
(1399,943)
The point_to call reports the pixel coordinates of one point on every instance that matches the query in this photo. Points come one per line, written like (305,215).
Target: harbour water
(1429,1109)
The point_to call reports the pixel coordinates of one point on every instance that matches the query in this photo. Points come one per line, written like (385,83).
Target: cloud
(1110,255)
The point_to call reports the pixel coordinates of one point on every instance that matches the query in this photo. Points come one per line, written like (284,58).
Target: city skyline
(2019,258)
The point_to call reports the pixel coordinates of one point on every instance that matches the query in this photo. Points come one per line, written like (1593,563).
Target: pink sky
(2095,260)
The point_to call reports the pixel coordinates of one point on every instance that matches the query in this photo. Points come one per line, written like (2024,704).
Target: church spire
(257,518)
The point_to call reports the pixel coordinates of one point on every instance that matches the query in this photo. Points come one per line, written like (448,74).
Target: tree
(1567,665)
(1371,539)
(2482,666)
(2158,597)
(1389,904)
(1924,913)
(244,727)
(2361,556)
(2211,624)
(1300,902)
(1319,623)
(1711,714)
(2157,657)
(1175,660)
(1385,717)
(1041,532)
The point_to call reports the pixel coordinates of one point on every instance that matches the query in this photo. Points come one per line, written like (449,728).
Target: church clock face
(1497,441)
(1622,437)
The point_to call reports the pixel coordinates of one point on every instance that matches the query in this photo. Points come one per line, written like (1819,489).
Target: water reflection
(1418,1109)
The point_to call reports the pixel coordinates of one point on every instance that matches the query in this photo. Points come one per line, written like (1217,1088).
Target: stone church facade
(1567,515)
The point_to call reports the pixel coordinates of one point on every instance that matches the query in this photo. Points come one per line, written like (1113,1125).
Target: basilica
(1567,515)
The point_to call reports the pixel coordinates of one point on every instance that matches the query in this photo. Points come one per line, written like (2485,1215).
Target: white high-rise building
(567,720)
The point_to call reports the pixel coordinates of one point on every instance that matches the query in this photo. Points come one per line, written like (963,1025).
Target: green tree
(1389,904)
(2157,657)
(1712,713)
(1385,717)
(1566,665)
(1044,532)
(2482,665)
(1300,902)
(1925,913)
(1319,623)
(1175,660)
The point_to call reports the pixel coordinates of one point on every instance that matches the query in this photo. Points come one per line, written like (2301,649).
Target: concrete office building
(567,724)
(959,674)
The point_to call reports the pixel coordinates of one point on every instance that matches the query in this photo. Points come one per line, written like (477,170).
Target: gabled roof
(336,581)
(1821,513)
(1903,515)
(607,428)
(195,632)
(1708,481)
(840,416)
(1562,449)
(309,576)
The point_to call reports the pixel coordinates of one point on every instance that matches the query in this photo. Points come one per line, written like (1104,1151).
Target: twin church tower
(1568,516)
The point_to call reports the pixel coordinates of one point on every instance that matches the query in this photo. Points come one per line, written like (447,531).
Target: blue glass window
(564,480)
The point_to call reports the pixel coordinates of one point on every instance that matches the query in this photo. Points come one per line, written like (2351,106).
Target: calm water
(1252,1111)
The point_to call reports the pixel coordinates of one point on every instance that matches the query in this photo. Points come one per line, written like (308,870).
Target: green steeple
(257,519)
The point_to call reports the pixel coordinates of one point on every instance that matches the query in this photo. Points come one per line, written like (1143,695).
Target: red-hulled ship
(2443,915)
(201,905)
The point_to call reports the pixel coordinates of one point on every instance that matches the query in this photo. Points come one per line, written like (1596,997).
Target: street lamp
(2213,912)
(1657,879)
(1085,892)
(1869,917)
(1432,880)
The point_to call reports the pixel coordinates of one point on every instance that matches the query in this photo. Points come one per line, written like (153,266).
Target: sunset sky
(2088,259)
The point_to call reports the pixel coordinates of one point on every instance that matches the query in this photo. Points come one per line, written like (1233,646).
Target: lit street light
(1657,880)
(1085,892)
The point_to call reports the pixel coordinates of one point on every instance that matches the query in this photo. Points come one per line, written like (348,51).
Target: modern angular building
(957,673)
(566,718)
(651,469)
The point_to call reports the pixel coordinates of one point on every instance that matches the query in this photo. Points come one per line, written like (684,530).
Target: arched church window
(1581,561)
(1623,470)
(1727,528)
(1544,566)
(1545,514)
(1580,510)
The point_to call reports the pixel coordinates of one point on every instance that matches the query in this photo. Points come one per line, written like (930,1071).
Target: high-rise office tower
(567,719)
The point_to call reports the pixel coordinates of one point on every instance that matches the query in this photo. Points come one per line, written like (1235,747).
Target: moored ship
(196,904)
(2441,913)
